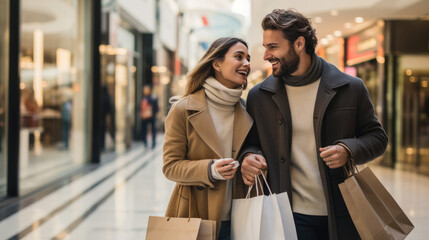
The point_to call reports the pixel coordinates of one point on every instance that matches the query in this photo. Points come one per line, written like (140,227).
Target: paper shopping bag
(207,230)
(271,220)
(374,212)
(166,228)
(246,217)
(160,228)
(261,217)
(287,216)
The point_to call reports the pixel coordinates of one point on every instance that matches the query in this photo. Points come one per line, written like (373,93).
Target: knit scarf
(313,73)
(220,94)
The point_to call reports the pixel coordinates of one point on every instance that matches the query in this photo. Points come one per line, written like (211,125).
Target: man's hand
(335,156)
(251,165)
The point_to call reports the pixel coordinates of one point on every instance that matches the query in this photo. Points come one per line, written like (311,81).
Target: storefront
(126,59)
(168,67)
(408,93)
(45,94)
(365,60)
(58,68)
(54,89)
(392,58)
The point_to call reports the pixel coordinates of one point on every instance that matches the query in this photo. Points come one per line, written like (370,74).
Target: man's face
(280,53)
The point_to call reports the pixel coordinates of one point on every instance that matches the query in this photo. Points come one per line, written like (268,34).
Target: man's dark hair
(293,24)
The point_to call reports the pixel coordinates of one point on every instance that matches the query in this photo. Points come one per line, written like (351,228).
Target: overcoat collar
(331,78)
(202,122)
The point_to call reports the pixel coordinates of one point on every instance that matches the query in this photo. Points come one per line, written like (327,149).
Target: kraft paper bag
(374,212)
(207,230)
(167,228)
(163,228)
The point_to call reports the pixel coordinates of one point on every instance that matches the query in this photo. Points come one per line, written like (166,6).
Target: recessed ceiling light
(334,12)
(347,25)
(330,36)
(359,19)
(317,19)
(337,33)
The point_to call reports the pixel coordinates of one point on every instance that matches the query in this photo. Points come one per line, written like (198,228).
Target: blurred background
(72,73)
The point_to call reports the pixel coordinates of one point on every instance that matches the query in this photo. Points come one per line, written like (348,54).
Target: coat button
(283,159)
(281,121)
(200,188)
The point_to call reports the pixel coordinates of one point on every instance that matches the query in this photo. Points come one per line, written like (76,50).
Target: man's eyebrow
(270,44)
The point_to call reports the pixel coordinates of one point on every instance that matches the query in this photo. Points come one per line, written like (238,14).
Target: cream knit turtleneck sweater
(221,103)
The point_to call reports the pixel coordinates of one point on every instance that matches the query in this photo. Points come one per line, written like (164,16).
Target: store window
(4,59)
(118,86)
(413,109)
(54,89)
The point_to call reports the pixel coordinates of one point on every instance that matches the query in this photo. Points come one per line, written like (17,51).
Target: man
(309,120)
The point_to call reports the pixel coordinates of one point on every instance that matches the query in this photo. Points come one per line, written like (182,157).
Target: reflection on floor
(42,168)
(115,201)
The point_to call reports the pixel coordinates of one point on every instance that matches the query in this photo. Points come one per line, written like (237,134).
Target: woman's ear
(216,65)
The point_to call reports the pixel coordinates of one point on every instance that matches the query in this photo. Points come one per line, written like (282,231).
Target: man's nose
(266,55)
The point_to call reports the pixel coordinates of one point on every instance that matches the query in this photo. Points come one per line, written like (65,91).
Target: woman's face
(233,70)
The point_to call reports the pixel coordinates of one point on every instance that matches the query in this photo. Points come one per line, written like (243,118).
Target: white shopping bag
(287,216)
(261,217)
(246,215)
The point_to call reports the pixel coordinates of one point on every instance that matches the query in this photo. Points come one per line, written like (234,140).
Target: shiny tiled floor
(114,202)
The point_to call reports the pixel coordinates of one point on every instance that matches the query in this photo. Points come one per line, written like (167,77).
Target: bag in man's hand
(262,217)
(374,212)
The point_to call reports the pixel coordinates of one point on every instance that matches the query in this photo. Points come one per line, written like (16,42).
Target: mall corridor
(115,200)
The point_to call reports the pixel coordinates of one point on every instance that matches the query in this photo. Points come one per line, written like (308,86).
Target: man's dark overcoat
(343,113)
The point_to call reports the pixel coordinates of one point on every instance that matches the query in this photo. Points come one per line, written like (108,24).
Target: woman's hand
(225,167)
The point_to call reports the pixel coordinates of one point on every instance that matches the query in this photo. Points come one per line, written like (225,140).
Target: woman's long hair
(204,68)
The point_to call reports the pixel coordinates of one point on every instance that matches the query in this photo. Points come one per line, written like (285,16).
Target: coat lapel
(331,80)
(276,86)
(202,121)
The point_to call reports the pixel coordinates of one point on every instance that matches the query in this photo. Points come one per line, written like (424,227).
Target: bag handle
(189,200)
(350,168)
(196,207)
(177,205)
(259,182)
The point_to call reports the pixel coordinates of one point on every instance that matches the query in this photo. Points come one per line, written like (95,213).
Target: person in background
(149,109)
(310,119)
(204,131)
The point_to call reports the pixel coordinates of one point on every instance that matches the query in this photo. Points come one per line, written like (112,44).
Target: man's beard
(288,67)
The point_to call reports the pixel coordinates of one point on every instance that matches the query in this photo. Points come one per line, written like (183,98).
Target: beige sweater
(307,189)
(221,103)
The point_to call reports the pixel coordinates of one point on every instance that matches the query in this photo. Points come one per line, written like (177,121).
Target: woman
(204,131)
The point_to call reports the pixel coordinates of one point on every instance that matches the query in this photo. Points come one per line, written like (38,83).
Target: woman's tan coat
(190,143)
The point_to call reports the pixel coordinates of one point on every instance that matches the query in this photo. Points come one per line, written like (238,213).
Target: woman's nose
(246,63)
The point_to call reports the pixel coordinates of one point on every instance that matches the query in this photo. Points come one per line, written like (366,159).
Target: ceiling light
(317,19)
(409,72)
(324,41)
(347,25)
(330,36)
(337,33)
(334,12)
(359,19)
